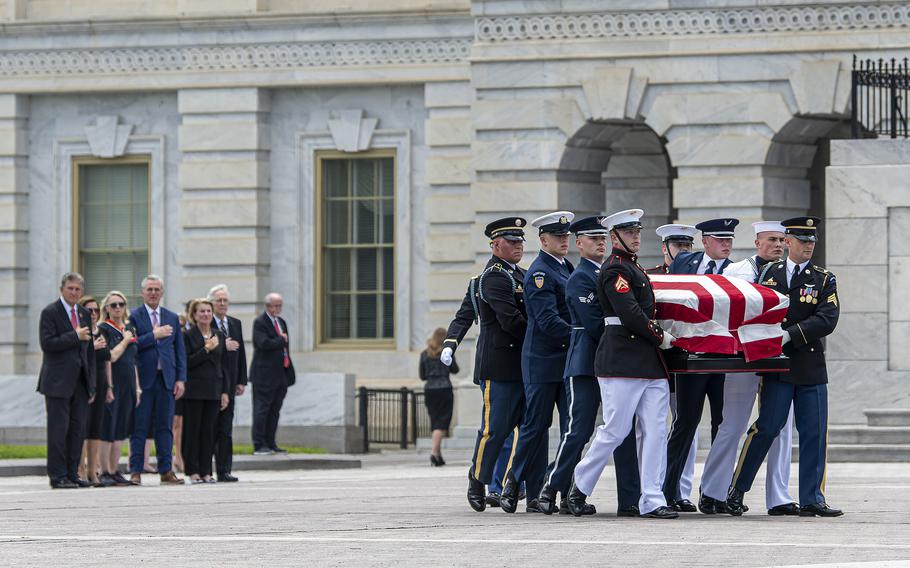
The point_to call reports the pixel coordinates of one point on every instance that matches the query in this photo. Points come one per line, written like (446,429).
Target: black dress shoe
(820,509)
(227,478)
(105,480)
(735,505)
(493,500)
(81,483)
(278,450)
(791,509)
(63,483)
(533,506)
(476,490)
(684,506)
(576,501)
(509,498)
(663,512)
(547,500)
(711,506)
(632,511)
(588,509)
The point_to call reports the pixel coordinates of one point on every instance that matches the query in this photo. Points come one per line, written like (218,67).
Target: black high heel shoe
(434,461)
(440,461)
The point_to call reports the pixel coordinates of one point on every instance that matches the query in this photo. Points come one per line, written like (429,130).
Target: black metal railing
(879,97)
(392,416)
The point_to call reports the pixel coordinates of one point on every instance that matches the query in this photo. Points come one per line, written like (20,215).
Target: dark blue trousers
(583,403)
(503,407)
(155,412)
(502,464)
(530,461)
(810,413)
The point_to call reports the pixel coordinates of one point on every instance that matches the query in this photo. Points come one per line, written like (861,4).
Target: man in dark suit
(691,390)
(67,380)
(235,370)
(271,373)
(811,316)
(162,376)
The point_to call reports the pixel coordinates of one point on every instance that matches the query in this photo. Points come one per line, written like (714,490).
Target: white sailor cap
(556,223)
(628,219)
(765,226)
(677,233)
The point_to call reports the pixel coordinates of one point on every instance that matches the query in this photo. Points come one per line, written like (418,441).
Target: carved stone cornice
(687,22)
(235,57)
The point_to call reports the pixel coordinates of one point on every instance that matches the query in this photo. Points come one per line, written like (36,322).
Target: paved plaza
(397,511)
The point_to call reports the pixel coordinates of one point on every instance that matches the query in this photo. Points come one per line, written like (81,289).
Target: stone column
(224,208)
(14,333)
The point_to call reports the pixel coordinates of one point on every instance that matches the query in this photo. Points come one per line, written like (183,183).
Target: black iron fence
(879,97)
(392,416)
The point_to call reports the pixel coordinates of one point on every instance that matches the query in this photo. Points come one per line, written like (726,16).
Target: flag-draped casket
(721,315)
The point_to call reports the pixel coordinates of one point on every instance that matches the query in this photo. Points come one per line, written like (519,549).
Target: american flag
(719,314)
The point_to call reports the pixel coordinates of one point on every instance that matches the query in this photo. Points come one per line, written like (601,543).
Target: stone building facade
(238,113)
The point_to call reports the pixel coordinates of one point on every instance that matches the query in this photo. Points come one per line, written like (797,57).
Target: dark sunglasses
(93,310)
(116,304)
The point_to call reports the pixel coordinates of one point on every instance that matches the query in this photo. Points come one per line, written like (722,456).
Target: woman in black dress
(103,395)
(206,391)
(437,392)
(117,425)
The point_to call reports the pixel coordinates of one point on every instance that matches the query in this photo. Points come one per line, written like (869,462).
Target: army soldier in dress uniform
(581,384)
(691,390)
(543,359)
(630,372)
(498,360)
(812,315)
(740,390)
(465,317)
(678,239)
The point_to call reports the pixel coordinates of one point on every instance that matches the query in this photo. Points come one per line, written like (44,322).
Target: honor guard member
(630,372)
(503,321)
(581,384)
(691,390)
(678,239)
(812,315)
(739,396)
(543,359)
(674,240)
(465,317)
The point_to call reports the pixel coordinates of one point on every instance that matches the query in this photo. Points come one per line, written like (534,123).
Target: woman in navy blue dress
(118,418)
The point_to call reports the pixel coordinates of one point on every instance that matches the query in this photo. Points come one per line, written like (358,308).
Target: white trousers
(740,391)
(648,401)
(688,474)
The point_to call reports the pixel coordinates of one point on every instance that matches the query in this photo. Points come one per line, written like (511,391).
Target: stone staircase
(884,438)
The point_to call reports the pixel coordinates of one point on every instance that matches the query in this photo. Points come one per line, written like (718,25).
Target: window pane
(387,221)
(367,269)
(366,316)
(365,221)
(338,270)
(337,230)
(364,178)
(387,177)
(388,269)
(338,316)
(335,174)
(388,315)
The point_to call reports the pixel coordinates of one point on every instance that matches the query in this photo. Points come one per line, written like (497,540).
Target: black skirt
(96,413)
(439,406)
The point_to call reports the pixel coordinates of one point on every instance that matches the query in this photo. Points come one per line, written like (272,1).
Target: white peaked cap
(620,218)
(765,226)
(676,230)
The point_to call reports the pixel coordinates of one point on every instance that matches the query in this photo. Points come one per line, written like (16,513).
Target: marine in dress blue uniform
(581,384)
(543,359)
(497,362)
(692,390)
(465,317)
(812,315)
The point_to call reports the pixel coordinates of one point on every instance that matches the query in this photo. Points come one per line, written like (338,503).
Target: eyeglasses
(116,304)
(93,310)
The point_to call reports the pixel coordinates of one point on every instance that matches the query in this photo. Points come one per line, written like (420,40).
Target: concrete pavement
(397,511)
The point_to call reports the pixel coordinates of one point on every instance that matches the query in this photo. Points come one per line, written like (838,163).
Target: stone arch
(609,165)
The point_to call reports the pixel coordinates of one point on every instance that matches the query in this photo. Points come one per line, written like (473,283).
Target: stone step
(871,453)
(888,417)
(863,435)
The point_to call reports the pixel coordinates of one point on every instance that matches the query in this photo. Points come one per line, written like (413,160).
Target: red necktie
(287,360)
(73,319)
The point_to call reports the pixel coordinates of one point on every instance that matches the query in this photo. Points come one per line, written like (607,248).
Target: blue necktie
(711,266)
